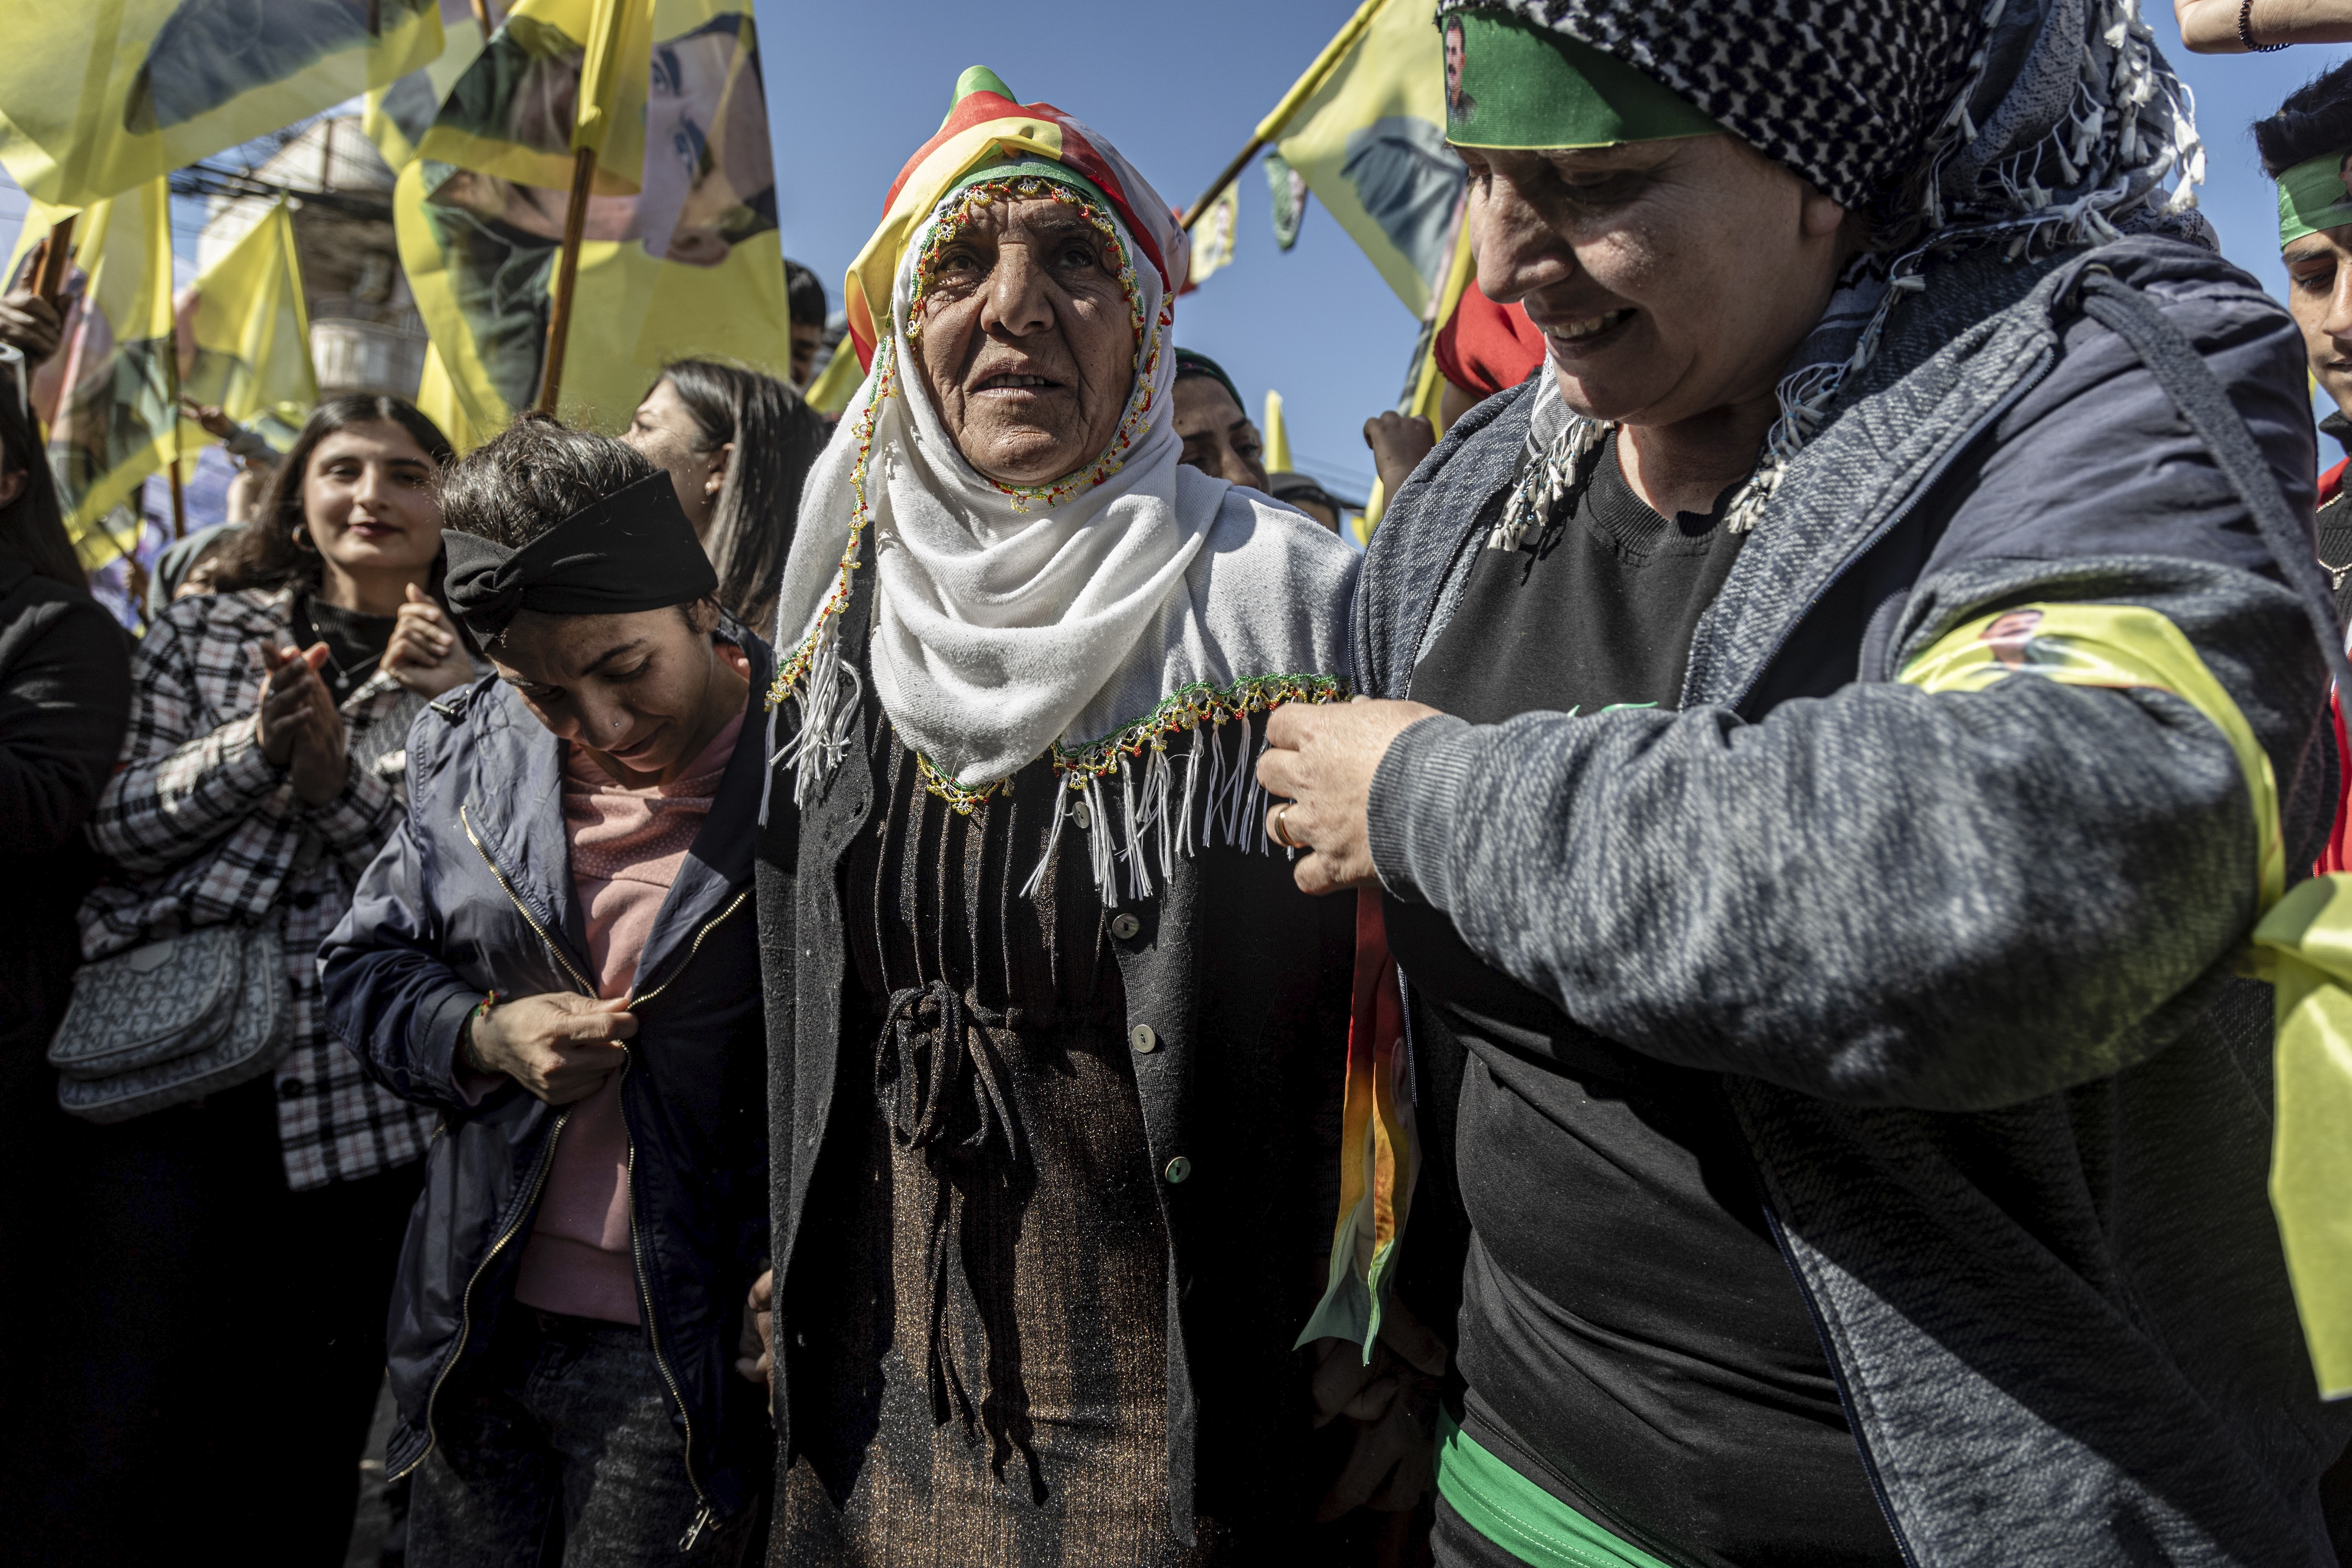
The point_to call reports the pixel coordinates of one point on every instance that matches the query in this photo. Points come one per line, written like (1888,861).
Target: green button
(1143,1039)
(1178,1169)
(1124,927)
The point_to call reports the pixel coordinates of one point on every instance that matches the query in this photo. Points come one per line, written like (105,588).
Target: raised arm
(2210,26)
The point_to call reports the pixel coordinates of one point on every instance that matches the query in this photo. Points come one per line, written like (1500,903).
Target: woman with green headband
(1836,732)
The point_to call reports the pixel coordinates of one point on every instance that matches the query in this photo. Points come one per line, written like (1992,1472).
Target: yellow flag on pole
(436,395)
(681,256)
(105,396)
(398,116)
(1213,236)
(1276,435)
(510,115)
(101,95)
(838,382)
(245,332)
(1369,138)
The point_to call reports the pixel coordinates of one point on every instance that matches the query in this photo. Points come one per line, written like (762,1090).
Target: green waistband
(1520,1516)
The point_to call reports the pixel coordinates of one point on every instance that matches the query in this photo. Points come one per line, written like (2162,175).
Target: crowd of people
(812,991)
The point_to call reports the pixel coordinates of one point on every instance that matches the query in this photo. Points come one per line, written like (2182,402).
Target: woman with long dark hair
(263,770)
(736,445)
(65,692)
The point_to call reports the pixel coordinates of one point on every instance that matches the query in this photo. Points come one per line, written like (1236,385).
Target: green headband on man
(2314,194)
(1508,84)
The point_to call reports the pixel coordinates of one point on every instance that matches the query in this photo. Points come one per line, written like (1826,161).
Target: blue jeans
(562,1451)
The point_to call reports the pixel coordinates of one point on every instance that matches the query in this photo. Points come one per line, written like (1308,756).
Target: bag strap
(2194,389)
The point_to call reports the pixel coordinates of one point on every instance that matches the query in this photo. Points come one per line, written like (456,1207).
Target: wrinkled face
(1668,277)
(2319,295)
(648,689)
(1026,342)
(367,500)
(1218,437)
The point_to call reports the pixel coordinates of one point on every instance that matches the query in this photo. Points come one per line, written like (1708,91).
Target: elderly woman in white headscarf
(1056,1043)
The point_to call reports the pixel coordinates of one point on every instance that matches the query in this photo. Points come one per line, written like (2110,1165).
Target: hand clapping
(425,654)
(296,724)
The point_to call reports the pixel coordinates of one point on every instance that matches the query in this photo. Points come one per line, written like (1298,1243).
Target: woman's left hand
(425,654)
(1320,761)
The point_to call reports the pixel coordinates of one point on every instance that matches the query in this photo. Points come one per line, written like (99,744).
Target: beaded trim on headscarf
(829,690)
(2009,202)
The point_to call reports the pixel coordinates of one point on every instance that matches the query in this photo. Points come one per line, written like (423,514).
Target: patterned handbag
(171,1022)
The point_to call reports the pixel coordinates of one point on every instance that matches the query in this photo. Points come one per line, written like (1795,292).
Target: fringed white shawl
(1096,618)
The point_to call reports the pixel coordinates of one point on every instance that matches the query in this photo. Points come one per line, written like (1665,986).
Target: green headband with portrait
(1509,84)
(2315,194)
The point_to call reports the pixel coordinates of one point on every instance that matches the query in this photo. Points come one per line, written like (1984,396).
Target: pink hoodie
(627,846)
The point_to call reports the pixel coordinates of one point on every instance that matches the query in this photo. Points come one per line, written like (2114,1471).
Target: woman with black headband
(556,953)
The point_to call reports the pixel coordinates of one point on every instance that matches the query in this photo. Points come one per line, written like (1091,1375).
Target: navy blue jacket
(475,893)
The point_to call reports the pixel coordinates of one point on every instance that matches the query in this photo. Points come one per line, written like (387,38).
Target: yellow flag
(1425,392)
(1276,435)
(1213,236)
(398,116)
(105,396)
(436,396)
(838,382)
(244,333)
(683,259)
(511,114)
(101,95)
(1369,138)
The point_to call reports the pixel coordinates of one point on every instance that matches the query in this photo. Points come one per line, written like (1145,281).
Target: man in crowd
(2305,147)
(805,296)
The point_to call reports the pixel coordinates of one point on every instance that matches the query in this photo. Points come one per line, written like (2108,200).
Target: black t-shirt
(2335,527)
(356,642)
(1631,1337)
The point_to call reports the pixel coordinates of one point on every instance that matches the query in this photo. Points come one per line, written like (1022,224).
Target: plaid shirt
(203,829)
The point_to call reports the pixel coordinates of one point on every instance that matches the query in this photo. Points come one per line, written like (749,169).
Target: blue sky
(853,90)
(1180,90)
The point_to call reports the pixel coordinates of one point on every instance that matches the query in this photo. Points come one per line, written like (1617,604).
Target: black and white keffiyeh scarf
(2035,124)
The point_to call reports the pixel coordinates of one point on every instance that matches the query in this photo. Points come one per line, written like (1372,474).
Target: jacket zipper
(704,1514)
(530,919)
(466,1299)
(538,1173)
(1837,1372)
(1929,481)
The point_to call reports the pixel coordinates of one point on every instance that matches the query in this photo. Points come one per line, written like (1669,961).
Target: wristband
(465,1049)
(2246,31)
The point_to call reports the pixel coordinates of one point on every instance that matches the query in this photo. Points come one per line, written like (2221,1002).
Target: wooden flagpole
(1274,124)
(567,274)
(56,255)
(589,116)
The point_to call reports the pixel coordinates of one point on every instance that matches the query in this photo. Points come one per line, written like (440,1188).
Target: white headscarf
(1096,616)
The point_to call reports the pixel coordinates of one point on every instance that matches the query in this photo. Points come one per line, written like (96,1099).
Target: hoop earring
(303,542)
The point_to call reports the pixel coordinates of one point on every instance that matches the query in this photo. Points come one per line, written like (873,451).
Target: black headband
(631,550)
